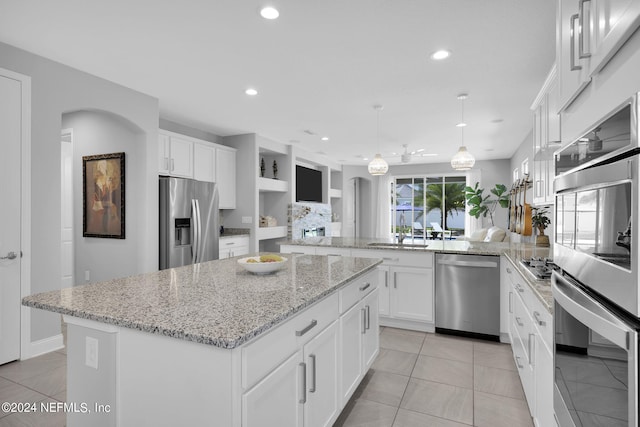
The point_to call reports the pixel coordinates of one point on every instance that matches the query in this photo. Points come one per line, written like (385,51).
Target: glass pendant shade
(463,160)
(378,166)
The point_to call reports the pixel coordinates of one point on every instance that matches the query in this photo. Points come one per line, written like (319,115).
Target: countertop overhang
(216,303)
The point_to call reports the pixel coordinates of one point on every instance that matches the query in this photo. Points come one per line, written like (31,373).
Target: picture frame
(103,196)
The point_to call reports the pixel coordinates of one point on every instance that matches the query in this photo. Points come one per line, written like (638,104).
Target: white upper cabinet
(226,177)
(175,156)
(590,33)
(204,162)
(546,139)
(187,157)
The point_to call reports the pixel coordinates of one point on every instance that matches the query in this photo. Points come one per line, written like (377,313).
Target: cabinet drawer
(522,321)
(538,313)
(267,352)
(231,242)
(399,257)
(327,250)
(355,291)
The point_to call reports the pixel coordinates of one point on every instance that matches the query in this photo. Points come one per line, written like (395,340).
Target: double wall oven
(596,290)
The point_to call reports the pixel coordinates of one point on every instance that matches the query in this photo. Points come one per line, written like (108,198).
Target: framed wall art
(103,210)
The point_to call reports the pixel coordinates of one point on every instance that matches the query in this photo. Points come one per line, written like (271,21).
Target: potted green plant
(483,205)
(540,220)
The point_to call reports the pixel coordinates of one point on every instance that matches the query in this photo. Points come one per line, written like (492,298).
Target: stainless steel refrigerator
(188,222)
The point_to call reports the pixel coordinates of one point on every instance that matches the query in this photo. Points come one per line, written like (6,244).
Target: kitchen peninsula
(209,344)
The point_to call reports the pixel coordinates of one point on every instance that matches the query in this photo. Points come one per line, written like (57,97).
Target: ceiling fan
(406,156)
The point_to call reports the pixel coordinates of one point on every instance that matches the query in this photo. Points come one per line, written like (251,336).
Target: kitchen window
(428,207)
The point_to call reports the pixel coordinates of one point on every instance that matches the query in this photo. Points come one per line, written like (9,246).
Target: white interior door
(66,218)
(10,217)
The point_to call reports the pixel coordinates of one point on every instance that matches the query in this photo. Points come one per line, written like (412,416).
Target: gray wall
(57,89)
(102,133)
(492,172)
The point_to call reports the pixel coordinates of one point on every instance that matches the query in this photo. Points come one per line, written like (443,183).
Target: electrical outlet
(91,352)
(246,220)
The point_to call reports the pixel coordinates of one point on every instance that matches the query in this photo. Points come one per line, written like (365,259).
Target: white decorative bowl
(261,267)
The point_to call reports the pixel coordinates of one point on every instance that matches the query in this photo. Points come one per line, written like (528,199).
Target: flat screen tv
(308,185)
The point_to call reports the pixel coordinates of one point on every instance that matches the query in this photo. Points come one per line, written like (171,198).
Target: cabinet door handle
(531,348)
(312,389)
(172,165)
(364,287)
(229,244)
(307,328)
(508,270)
(386,279)
(572,41)
(364,320)
(517,364)
(166,163)
(395,282)
(581,52)
(368,318)
(536,315)
(390,259)
(510,302)
(519,321)
(302,368)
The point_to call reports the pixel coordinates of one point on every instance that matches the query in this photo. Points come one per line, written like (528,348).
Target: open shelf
(272,185)
(272,232)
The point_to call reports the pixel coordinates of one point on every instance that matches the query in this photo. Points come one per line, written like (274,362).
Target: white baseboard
(46,345)
(407,324)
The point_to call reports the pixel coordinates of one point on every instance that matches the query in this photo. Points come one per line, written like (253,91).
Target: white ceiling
(320,67)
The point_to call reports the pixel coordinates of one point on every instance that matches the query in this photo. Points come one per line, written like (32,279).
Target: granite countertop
(447,246)
(216,302)
(234,232)
(513,251)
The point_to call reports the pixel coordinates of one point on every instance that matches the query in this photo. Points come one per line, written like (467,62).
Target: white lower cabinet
(411,294)
(275,401)
(359,337)
(530,325)
(320,394)
(334,343)
(233,246)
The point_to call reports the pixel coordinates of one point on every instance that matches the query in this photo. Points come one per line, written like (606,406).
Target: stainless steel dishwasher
(468,295)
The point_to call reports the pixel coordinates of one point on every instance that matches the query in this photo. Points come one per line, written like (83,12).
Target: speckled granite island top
(216,303)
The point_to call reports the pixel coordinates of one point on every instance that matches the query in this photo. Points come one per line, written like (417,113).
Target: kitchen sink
(399,245)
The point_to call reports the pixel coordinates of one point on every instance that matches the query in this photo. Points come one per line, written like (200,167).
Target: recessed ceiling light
(440,55)
(269,12)
(365,158)
(251,92)
(461,125)
(325,138)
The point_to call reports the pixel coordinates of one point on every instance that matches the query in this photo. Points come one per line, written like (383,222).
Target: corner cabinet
(185,157)
(530,328)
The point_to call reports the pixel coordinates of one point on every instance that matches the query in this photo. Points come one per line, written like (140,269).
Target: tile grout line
(424,340)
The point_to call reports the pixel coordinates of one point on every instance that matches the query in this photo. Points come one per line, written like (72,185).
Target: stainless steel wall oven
(596,290)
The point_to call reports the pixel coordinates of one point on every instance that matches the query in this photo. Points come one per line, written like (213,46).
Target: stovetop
(539,268)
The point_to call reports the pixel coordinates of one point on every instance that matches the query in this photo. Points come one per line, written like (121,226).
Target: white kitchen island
(213,345)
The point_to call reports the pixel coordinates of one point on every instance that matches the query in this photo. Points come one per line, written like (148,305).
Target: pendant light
(378,166)
(462,160)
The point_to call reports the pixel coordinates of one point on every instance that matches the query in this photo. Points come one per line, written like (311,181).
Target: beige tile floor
(41,379)
(418,379)
(432,380)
